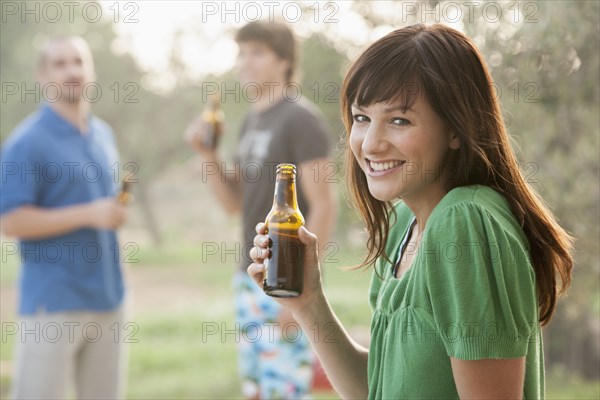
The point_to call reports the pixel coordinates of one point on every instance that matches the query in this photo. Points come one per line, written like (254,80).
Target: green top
(470,294)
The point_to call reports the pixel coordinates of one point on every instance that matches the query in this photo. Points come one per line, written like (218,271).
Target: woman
(468,264)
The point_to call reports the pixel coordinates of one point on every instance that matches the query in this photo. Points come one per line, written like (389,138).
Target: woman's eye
(359,118)
(400,121)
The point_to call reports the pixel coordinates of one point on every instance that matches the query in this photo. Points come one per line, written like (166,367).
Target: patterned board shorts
(275,361)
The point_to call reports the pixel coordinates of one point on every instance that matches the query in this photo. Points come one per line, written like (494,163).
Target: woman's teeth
(382,166)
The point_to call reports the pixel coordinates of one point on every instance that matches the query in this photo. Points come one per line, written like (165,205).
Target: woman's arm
(490,378)
(344,361)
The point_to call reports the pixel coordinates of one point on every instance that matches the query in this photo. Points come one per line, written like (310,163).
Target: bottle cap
(286,168)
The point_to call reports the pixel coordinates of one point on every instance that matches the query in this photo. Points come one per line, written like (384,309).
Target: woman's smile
(401,150)
(377,169)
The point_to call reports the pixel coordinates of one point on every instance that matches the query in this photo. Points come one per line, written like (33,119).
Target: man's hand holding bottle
(204,132)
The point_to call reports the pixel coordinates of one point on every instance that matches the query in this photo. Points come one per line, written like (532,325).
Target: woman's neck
(422,204)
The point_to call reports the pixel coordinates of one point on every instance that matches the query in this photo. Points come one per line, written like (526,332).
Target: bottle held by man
(125,196)
(213,116)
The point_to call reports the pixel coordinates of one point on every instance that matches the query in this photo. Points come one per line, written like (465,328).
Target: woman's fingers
(310,242)
(258,254)
(261,228)
(261,241)
(257,272)
(306,237)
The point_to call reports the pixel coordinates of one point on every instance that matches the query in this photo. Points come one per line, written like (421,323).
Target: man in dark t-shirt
(275,361)
(286,132)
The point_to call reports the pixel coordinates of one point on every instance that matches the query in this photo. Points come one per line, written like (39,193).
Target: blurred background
(153,59)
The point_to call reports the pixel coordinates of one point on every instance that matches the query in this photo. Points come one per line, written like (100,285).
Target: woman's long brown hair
(445,67)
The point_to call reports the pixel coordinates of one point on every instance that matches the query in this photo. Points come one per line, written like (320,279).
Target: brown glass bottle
(284,276)
(124,196)
(213,116)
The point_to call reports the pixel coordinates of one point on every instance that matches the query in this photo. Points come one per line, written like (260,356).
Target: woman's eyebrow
(389,109)
(398,108)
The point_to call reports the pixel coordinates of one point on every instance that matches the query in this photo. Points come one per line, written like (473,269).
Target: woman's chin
(383,195)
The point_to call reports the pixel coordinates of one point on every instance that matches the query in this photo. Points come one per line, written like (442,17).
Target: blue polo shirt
(46,162)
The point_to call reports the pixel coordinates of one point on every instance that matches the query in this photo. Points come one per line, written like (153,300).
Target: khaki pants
(83,349)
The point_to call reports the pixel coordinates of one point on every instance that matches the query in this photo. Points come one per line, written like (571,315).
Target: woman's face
(401,152)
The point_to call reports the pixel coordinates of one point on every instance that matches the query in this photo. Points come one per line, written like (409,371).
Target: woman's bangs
(394,82)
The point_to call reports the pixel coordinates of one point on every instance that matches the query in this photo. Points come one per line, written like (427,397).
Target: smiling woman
(387,141)
(469,263)
(438,72)
(425,127)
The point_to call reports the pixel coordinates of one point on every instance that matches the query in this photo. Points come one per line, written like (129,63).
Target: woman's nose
(375,140)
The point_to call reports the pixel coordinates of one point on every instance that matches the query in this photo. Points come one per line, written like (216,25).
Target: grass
(174,355)
(10,263)
(178,356)
(563,384)
(171,360)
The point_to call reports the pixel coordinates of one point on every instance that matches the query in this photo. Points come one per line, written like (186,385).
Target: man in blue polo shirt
(58,187)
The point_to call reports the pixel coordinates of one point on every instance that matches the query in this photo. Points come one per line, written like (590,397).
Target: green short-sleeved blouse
(470,294)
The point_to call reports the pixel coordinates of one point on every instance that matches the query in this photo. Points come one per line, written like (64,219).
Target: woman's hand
(344,361)
(312,292)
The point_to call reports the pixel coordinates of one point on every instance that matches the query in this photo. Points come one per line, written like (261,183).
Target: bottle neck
(285,192)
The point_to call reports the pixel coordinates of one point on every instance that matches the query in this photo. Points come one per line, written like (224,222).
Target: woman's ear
(454,141)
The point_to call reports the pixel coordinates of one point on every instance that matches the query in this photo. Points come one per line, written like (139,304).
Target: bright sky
(146,29)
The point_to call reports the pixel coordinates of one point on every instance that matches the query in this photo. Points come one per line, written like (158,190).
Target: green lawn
(175,353)
(179,356)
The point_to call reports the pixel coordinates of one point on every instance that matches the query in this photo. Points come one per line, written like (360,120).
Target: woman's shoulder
(478,204)
(481,195)
(463,200)
(472,198)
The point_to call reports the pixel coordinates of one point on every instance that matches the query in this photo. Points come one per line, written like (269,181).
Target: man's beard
(73,98)
(72,92)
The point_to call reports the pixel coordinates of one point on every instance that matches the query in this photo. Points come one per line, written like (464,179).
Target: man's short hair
(277,35)
(43,52)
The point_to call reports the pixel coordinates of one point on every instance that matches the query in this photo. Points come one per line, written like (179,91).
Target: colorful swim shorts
(275,361)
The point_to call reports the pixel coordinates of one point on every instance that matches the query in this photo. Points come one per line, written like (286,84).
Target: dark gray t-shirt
(287,132)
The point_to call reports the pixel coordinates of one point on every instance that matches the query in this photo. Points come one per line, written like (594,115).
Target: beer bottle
(284,276)
(213,116)
(124,197)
